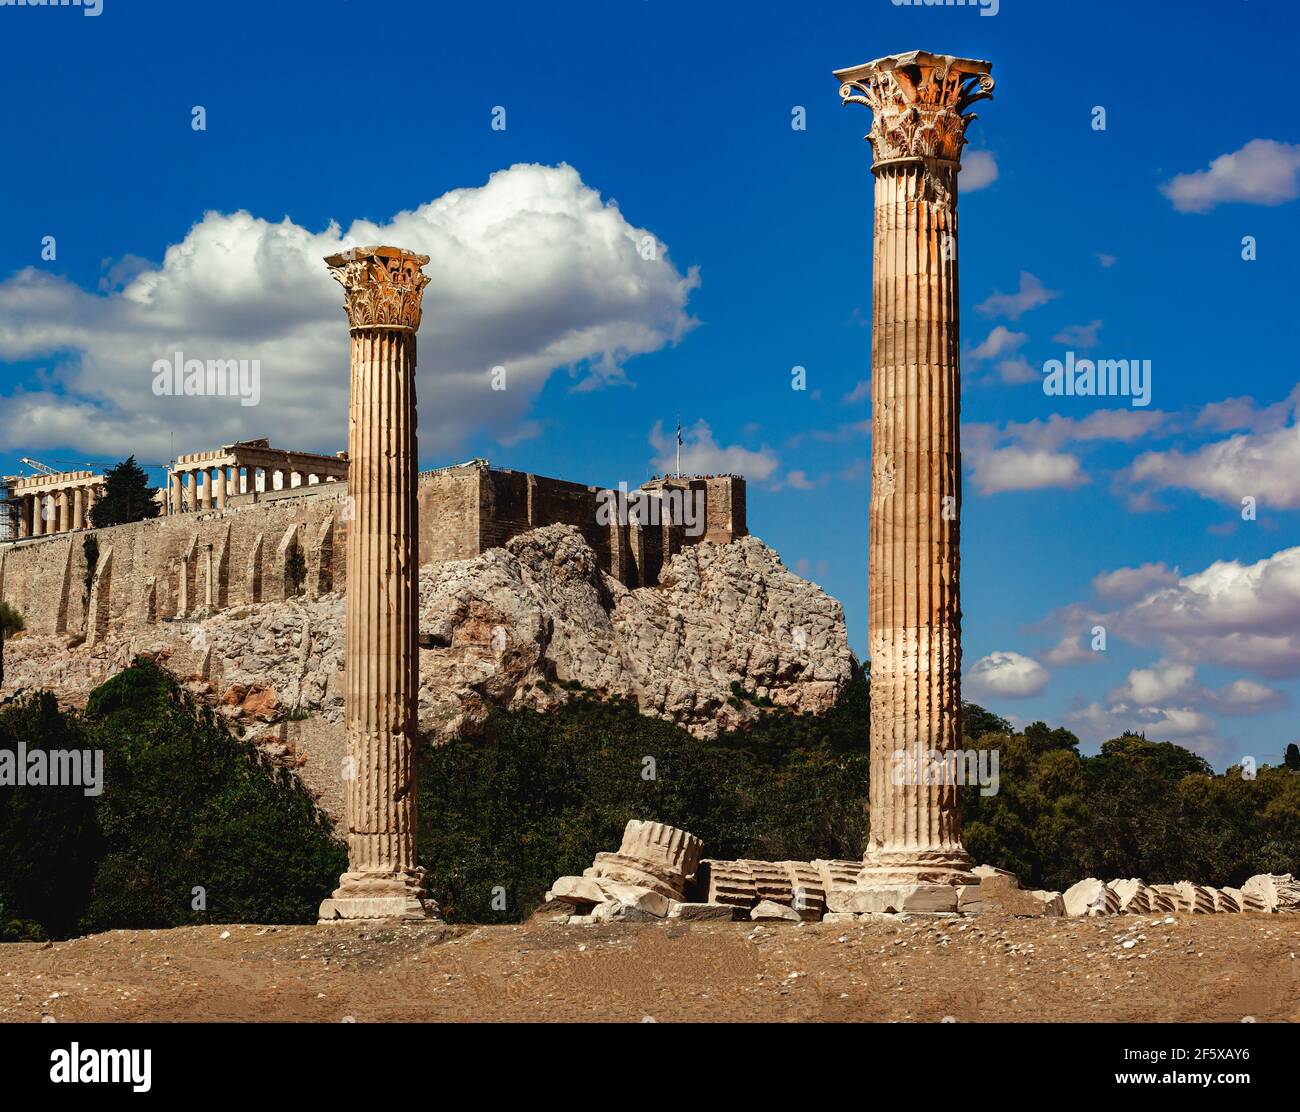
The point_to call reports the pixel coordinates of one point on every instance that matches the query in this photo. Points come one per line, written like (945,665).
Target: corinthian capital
(918,102)
(383,286)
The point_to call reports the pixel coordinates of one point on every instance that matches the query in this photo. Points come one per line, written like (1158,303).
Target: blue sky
(636,120)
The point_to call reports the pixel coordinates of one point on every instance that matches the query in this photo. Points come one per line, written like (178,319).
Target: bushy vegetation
(1138,808)
(186,806)
(193,825)
(49,842)
(540,794)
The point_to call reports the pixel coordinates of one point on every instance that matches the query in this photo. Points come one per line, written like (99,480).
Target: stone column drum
(919,103)
(384,287)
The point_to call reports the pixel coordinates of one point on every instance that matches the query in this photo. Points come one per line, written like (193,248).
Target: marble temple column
(919,102)
(177,492)
(78,507)
(383,287)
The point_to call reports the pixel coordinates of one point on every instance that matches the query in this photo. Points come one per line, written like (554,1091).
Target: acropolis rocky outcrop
(507,628)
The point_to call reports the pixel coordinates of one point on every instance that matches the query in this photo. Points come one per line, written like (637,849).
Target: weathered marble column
(78,507)
(177,492)
(384,287)
(919,103)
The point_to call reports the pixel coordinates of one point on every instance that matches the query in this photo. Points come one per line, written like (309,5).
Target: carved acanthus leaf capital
(383,286)
(918,102)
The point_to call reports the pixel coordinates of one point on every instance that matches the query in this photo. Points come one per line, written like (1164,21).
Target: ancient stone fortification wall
(190,565)
(173,567)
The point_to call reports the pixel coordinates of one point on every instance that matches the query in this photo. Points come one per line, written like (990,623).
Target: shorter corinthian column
(919,104)
(384,286)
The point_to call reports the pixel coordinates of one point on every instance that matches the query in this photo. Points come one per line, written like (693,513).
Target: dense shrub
(542,793)
(49,842)
(1138,808)
(185,805)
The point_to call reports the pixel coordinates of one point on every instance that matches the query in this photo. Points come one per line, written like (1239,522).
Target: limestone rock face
(511,627)
(725,613)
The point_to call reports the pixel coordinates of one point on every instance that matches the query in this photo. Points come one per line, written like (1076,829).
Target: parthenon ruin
(205,480)
(41,505)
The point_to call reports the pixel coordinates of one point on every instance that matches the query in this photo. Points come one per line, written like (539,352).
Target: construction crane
(46,469)
(37,465)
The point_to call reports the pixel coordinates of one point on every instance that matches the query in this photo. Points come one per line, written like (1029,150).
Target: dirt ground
(1130,968)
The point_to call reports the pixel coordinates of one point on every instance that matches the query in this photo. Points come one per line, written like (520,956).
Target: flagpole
(679,445)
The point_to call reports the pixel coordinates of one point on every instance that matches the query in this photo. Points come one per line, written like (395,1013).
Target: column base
(890,867)
(400,896)
(896,882)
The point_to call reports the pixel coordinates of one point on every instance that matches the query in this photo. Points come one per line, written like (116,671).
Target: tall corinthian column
(384,286)
(919,103)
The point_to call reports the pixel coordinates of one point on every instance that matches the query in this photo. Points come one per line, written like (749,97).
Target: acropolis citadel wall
(189,564)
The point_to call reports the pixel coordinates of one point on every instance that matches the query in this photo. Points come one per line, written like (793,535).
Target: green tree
(540,794)
(11,622)
(187,805)
(976,722)
(127,496)
(49,841)
(1292,757)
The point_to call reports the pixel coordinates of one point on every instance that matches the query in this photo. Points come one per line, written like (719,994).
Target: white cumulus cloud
(1263,172)
(703,455)
(531,271)
(1123,584)
(1007,675)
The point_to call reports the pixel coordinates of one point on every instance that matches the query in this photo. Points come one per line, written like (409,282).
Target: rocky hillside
(523,625)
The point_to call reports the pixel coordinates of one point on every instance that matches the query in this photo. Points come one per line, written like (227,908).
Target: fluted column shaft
(914,523)
(382,654)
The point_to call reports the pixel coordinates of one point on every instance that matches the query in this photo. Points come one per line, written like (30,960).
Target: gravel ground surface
(1127,968)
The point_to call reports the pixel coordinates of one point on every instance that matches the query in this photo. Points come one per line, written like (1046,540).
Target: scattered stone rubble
(659,872)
